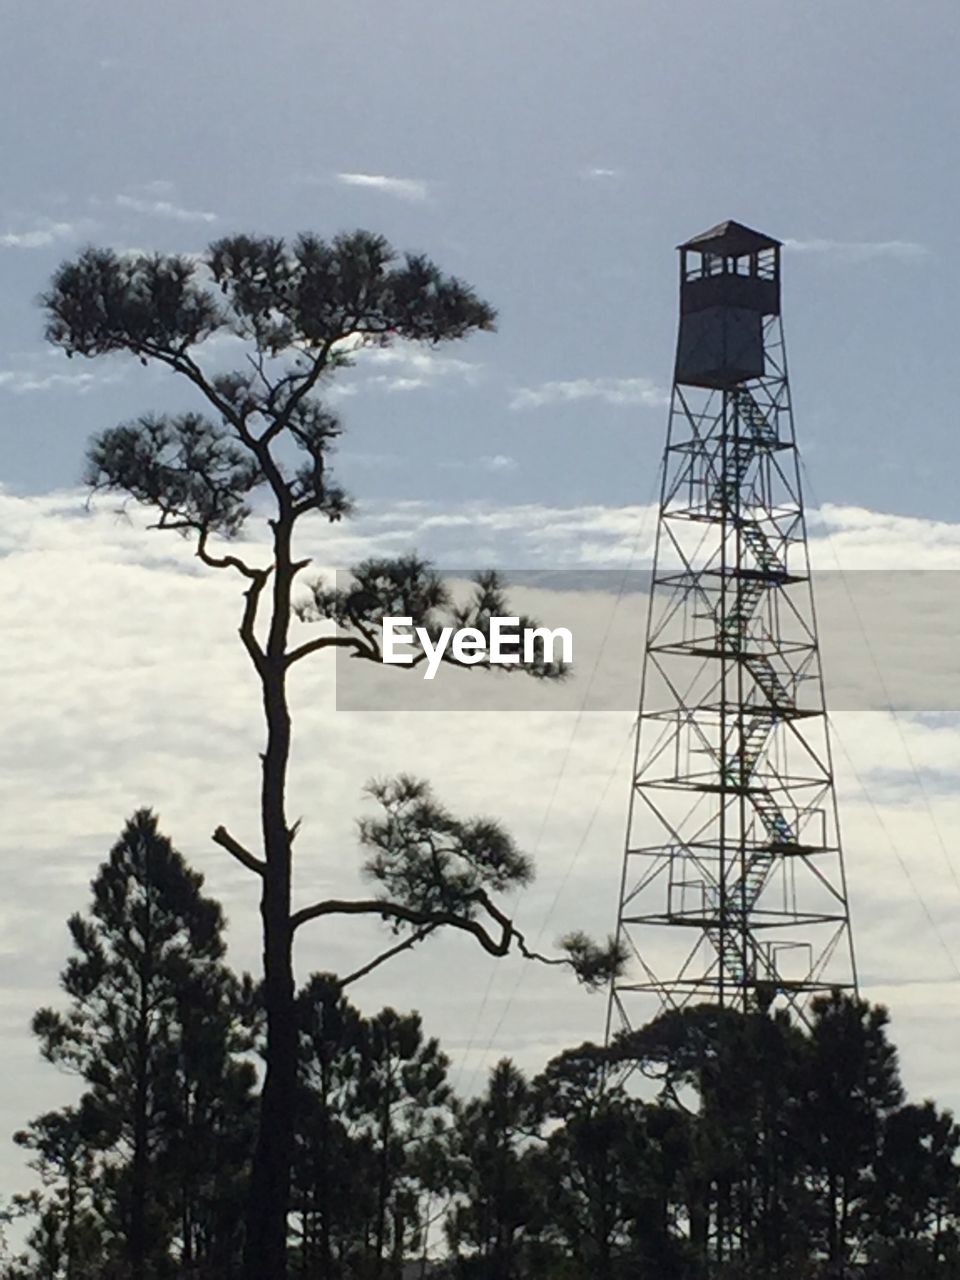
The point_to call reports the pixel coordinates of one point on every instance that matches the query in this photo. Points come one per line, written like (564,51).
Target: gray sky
(552,154)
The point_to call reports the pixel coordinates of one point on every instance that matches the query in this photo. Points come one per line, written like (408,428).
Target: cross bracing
(733,885)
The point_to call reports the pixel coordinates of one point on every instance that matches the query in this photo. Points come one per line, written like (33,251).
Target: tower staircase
(734,633)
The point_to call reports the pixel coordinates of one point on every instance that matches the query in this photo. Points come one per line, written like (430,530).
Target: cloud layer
(413,189)
(164,209)
(125,686)
(859,250)
(616,391)
(41,236)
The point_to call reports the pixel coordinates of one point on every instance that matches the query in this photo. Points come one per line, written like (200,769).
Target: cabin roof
(730,238)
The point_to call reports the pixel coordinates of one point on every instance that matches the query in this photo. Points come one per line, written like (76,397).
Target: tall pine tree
(150,1031)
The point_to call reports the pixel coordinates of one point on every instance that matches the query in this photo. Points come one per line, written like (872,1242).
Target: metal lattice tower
(733,887)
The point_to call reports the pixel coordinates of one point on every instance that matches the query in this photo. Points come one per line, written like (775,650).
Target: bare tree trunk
(399,1239)
(187,1186)
(266,1246)
(384,1182)
(425,1243)
(323,1187)
(70,1237)
(137,1237)
(265,1250)
(833,1237)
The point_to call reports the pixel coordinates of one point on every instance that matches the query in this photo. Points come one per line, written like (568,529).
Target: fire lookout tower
(733,886)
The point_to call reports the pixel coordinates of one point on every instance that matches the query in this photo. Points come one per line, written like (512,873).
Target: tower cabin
(729,281)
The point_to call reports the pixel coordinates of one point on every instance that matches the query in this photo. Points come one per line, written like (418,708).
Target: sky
(552,154)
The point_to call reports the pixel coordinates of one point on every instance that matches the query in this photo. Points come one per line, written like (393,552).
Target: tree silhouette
(498,1201)
(853,1084)
(333,1170)
(149,1030)
(404,1096)
(914,1201)
(757,1145)
(68,1236)
(610,1170)
(297,308)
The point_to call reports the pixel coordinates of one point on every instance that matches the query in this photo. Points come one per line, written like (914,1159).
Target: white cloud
(412,367)
(599,173)
(860,250)
(399,383)
(486,462)
(25,381)
(413,189)
(499,462)
(617,391)
(164,209)
(43,235)
(856,538)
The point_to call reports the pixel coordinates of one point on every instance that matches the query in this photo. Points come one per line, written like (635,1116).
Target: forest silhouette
(708,1143)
